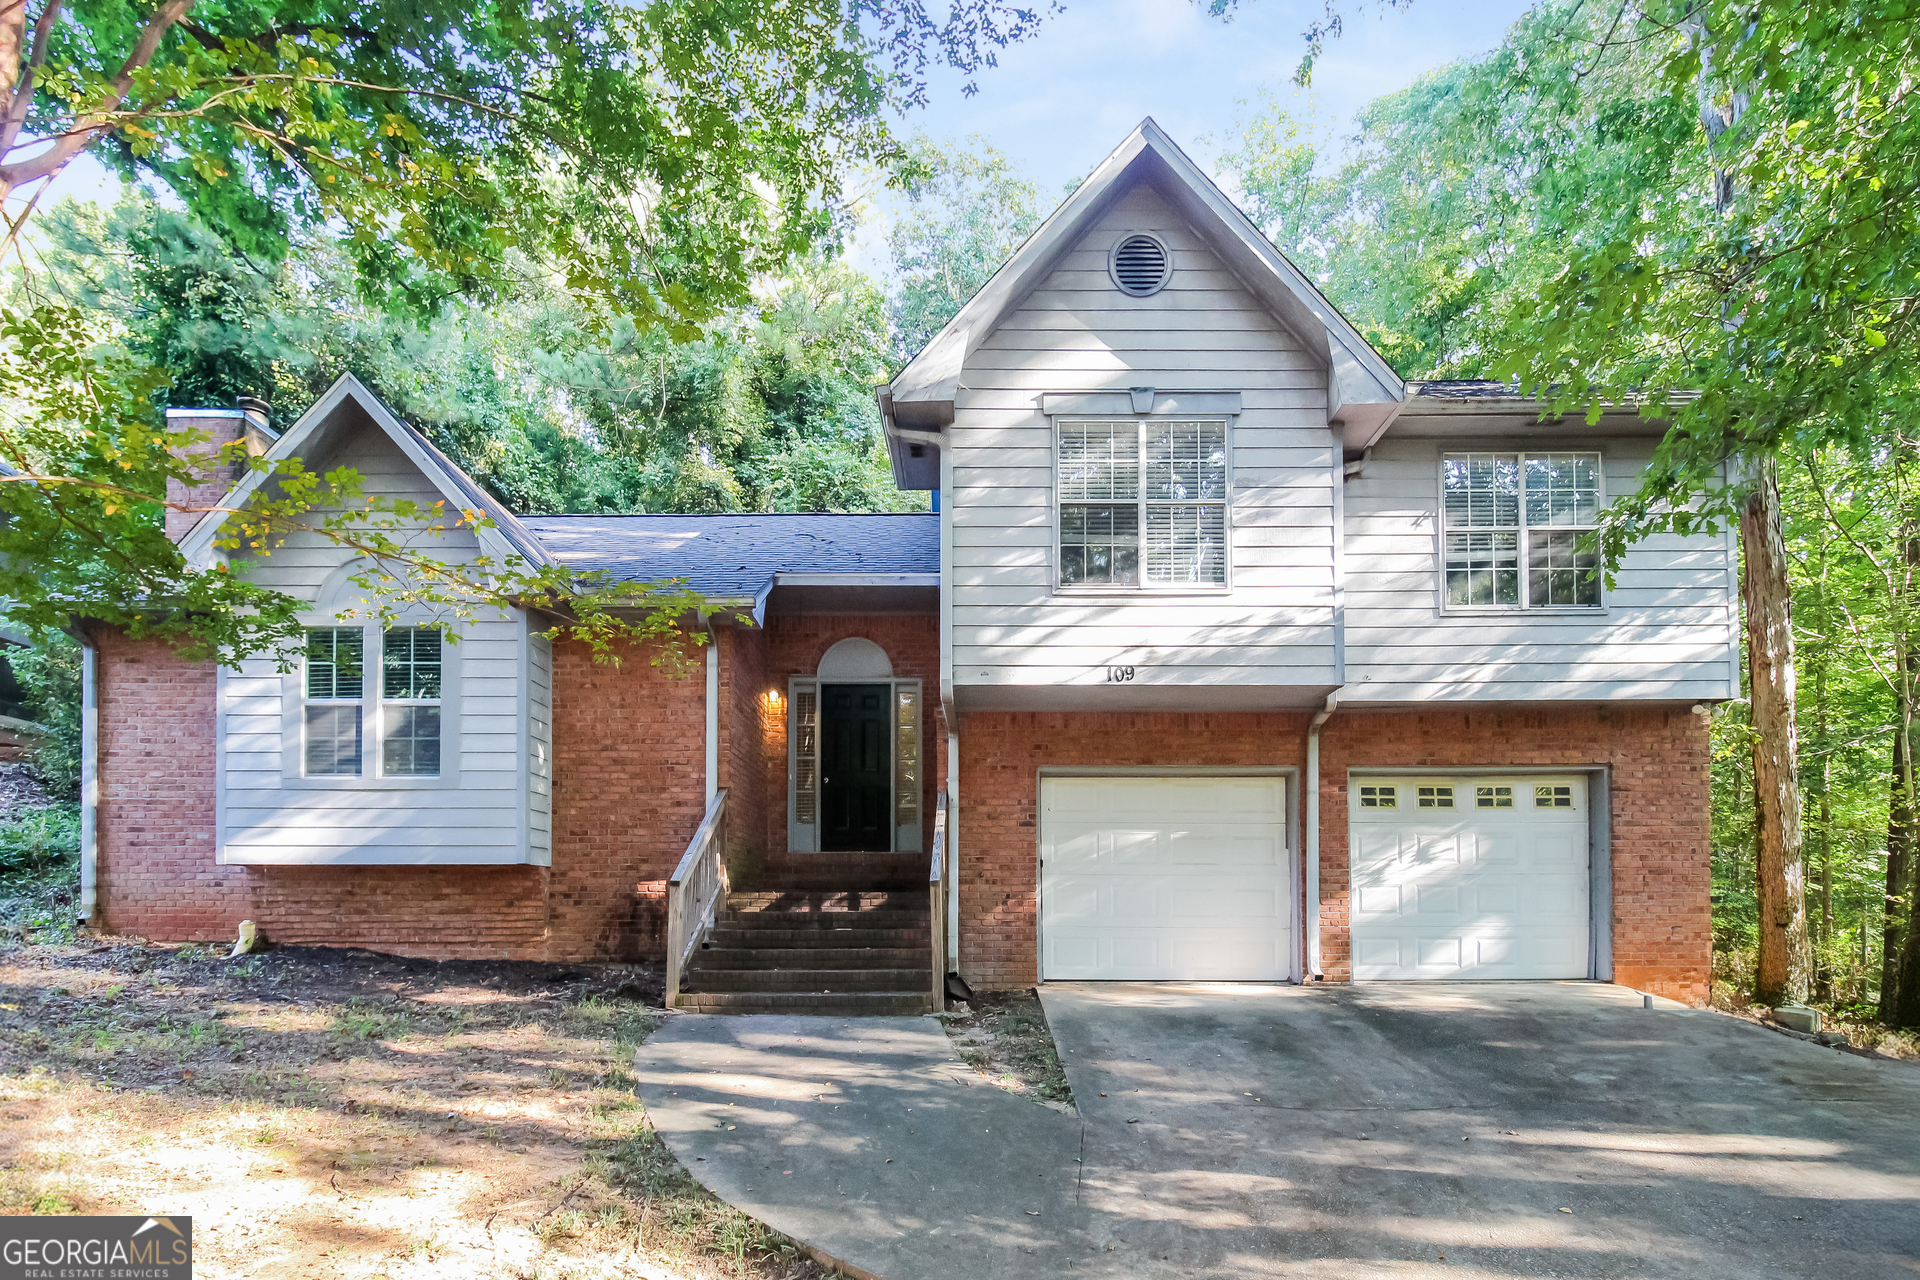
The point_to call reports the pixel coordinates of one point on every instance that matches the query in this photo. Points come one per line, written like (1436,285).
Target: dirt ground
(343,1114)
(1004,1036)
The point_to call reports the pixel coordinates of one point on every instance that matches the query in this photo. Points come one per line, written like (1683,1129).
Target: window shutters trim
(803,765)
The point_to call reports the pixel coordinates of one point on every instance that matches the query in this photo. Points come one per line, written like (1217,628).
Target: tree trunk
(1822,970)
(1779,868)
(1905,1010)
(1901,813)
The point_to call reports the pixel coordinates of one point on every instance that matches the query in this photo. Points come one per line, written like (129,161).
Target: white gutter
(89,782)
(1311,825)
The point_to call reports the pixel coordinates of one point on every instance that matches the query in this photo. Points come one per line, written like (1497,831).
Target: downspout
(948,712)
(713,708)
(1312,833)
(89,779)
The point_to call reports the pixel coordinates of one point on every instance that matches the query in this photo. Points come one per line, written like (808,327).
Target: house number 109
(1119,675)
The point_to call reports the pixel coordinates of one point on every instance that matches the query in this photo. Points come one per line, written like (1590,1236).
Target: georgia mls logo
(129,1248)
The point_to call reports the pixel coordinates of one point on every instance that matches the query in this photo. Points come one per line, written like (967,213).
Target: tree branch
(97,118)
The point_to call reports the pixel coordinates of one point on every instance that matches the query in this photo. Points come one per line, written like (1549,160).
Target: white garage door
(1469,878)
(1164,878)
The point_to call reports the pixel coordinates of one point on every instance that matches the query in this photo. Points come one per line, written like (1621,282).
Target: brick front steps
(814,951)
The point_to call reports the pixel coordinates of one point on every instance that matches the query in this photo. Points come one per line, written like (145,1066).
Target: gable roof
(332,412)
(1363,390)
(738,556)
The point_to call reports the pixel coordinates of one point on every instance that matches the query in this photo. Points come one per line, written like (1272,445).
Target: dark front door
(856,768)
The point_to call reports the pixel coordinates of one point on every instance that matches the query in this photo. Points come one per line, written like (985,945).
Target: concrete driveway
(1481,1129)
(1370,1130)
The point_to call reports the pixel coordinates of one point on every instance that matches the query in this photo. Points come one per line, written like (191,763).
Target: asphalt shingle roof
(737,555)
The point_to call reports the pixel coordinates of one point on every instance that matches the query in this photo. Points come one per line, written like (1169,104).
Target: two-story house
(1225,655)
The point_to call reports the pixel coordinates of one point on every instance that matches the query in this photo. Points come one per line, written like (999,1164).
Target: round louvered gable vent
(1141,265)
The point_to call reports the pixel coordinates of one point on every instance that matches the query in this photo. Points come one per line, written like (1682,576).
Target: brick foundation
(1657,758)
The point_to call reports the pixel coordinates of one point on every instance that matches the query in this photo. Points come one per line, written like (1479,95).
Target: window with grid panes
(1513,524)
(410,668)
(1143,503)
(334,685)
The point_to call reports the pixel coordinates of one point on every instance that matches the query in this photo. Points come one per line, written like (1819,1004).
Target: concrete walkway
(1354,1131)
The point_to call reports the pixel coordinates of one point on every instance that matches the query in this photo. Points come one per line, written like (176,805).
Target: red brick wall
(744,721)
(216,477)
(489,913)
(1658,758)
(157,875)
(630,759)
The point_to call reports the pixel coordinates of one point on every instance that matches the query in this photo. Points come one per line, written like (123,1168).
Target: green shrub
(49,673)
(40,842)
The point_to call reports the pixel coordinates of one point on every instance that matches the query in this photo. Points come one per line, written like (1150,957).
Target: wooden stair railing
(698,885)
(937,890)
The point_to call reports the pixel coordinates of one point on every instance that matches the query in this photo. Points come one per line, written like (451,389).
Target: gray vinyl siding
(477,813)
(1203,332)
(1665,632)
(302,562)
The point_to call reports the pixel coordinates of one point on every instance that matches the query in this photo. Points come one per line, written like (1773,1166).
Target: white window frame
(293,720)
(1142,422)
(1523,530)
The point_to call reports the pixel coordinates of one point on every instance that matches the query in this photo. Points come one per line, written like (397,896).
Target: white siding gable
(490,803)
(1017,640)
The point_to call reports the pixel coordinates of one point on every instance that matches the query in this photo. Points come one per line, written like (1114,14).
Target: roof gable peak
(1361,385)
(505,539)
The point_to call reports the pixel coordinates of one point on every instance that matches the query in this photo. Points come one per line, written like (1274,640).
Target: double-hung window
(1513,524)
(353,727)
(335,692)
(410,702)
(1143,503)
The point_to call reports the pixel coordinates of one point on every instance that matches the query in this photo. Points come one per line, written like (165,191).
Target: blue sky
(1059,102)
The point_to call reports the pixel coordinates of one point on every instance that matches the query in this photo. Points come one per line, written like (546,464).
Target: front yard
(324,1113)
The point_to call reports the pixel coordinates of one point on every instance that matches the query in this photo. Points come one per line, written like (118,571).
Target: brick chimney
(248,421)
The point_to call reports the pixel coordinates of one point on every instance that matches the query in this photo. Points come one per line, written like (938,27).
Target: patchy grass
(1004,1036)
(343,1114)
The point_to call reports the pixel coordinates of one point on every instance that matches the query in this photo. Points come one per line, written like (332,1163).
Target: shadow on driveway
(1499,1130)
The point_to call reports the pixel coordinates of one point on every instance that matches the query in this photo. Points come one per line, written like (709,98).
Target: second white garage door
(1164,878)
(1470,877)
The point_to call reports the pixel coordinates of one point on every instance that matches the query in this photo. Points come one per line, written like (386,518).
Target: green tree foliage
(49,673)
(1628,202)
(652,162)
(659,155)
(967,210)
(550,402)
